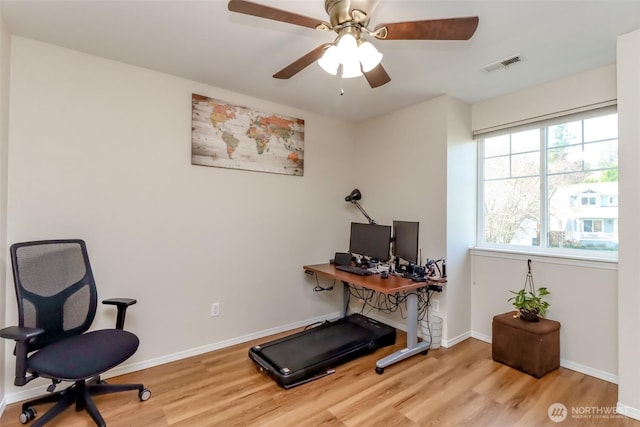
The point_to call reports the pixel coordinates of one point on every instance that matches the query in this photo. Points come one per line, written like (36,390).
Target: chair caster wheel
(27,415)
(379,371)
(424,353)
(144,394)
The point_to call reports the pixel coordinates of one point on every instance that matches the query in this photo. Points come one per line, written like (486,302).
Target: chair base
(79,393)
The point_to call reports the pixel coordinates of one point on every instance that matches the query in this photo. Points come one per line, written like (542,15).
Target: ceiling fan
(351,54)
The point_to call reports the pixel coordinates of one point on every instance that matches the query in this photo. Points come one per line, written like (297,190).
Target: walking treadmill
(313,353)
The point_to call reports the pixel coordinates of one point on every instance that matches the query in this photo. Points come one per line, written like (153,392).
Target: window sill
(574,260)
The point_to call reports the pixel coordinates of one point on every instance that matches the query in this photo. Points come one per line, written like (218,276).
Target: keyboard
(353,270)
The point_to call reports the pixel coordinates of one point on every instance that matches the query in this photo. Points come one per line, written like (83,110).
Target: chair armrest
(18,333)
(22,336)
(121,304)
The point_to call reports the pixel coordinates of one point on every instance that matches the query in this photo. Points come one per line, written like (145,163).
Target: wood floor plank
(454,386)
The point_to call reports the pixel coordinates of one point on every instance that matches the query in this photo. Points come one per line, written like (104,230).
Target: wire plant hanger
(528,301)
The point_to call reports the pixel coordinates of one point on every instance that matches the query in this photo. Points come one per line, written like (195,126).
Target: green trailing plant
(533,302)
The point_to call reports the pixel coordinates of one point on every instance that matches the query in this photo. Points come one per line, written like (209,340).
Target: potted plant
(529,302)
(530,305)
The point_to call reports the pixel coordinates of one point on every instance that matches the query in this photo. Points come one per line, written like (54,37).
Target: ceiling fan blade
(377,77)
(301,63)
(430,29)
(268,12)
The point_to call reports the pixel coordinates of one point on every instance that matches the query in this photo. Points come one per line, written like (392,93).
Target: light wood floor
(461,385)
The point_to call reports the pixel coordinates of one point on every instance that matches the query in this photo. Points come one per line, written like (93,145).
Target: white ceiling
(201,40)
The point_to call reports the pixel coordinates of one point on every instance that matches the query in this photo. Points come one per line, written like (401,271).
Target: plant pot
(529,316)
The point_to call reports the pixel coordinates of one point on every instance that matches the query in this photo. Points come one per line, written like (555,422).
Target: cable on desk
(362,294)
(424,302)
(391,303)
(320,288)
(372,300)
(381,303)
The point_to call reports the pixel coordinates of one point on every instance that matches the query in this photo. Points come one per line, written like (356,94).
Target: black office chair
(57,301)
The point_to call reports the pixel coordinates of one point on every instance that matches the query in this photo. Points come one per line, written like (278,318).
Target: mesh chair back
(54,287)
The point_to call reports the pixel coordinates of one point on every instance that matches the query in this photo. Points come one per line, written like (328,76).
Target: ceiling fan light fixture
(350,22)
(330,60)
(345,52)
(369,56)
(351,68)
(347,47)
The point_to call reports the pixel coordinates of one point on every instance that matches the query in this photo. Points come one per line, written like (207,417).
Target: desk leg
(413,346)
(345,299)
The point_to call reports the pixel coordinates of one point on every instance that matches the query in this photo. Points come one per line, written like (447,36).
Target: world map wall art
(231,136)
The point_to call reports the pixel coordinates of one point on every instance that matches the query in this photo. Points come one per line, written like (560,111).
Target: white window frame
(543,246)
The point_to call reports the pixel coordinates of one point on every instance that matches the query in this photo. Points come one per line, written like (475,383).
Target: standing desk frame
(391,285)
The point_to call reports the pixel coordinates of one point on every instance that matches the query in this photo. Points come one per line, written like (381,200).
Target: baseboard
(628,411)
(3,405)
(456,340)
(481,337)
(587,370)
(32,392)
(583,369)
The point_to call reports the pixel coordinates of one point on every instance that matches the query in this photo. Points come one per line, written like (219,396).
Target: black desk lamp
(353,198)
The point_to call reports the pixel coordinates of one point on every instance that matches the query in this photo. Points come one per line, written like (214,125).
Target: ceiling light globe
(351,68)
(348,48)
(330,61)
(369,56)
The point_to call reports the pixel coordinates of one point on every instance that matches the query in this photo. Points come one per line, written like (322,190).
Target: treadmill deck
(312,353)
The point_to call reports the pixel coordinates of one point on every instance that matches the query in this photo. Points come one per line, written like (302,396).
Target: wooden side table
(531,347)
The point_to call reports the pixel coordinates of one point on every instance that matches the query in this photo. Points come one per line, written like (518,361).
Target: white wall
(583,299)
(401,156)
(461,219)
(100,150)
(5,41)
(584,295)
(629,262)
(402,171)
(580,90)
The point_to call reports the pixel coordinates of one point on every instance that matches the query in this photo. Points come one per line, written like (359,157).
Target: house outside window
(551,187)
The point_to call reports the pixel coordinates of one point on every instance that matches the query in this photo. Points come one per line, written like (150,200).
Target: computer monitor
(370,240)
(405,240)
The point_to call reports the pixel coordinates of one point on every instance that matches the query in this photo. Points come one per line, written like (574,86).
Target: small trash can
(435,324)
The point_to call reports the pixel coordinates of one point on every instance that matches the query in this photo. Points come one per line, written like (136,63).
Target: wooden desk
(391,285)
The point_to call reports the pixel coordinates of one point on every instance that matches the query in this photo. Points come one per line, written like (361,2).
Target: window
(592,226)
(588,200)
(551,186)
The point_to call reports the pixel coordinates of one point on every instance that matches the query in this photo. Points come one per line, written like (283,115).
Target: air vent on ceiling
(503,64)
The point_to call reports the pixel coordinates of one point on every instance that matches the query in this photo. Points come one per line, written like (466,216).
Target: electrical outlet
(215,309)
(436,305)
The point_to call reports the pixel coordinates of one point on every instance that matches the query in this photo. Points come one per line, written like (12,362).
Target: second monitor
(405,240)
